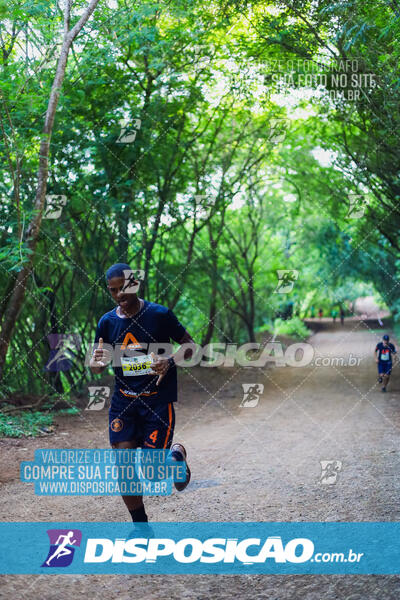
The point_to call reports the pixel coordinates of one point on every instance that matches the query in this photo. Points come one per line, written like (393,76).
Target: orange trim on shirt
(169,424)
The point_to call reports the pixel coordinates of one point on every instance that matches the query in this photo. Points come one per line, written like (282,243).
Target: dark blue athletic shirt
(385,352)
(151,325)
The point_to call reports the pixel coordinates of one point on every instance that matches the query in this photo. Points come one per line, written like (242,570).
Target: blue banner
(196,548)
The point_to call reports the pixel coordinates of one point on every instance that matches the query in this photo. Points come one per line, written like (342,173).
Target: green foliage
(292,328)
(69,411)
(29,424)
(203,200)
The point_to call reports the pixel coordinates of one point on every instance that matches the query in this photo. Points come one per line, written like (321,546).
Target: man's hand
(160,366)
(100,358)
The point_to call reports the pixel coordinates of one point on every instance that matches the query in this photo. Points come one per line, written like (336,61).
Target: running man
(142,406)
(383,357)
(62,549)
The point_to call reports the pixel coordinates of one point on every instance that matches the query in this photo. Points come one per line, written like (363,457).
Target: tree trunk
(54,376)
(150,245)
(213,296)
(17,297)
(211,314)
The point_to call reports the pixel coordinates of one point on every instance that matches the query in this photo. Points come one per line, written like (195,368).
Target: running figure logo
(277,130)
(357,206)
(54,206)
(62,547)
(63,350)
(132,280)
(286,278)
(329,471)
(128,131)
(97,397)
(251,394)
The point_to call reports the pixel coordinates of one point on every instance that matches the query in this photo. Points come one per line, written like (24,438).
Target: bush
(292,328)
(26,423)
(265,327)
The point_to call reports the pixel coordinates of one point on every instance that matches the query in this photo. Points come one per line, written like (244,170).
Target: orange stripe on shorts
(169,424)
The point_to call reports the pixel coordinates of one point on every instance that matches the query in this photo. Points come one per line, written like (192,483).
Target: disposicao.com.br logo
(201,547)
(248,551)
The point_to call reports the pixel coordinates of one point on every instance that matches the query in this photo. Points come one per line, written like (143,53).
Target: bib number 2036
(136,365)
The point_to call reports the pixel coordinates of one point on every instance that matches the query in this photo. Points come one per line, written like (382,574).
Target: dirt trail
(248,464)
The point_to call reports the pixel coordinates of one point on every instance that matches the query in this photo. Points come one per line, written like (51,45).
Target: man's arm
(161,365)
(184,353)
(394,351)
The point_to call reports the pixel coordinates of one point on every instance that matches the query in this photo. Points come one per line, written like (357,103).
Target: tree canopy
(209,145)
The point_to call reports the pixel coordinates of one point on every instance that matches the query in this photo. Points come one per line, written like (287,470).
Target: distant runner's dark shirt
(385,352)
(152,324)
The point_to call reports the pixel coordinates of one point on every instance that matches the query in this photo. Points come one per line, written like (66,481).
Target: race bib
(136,365)
(385,355)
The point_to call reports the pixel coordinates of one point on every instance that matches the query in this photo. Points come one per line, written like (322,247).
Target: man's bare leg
(385,381)
(133,503)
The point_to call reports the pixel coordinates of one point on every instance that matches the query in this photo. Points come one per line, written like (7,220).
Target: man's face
(121,294)
(386,342)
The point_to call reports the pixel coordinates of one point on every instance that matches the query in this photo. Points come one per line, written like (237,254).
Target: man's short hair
(117,270)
